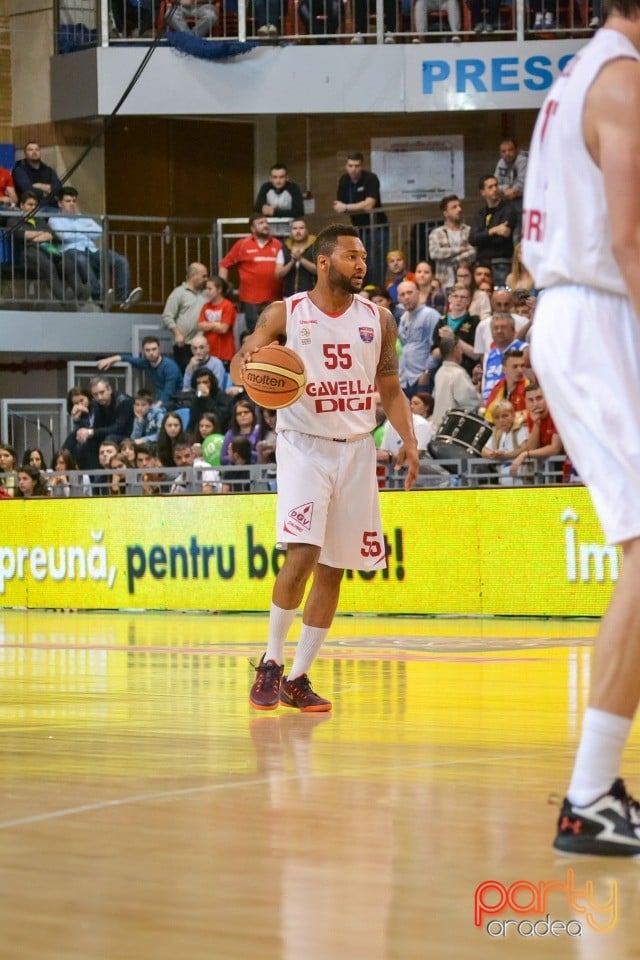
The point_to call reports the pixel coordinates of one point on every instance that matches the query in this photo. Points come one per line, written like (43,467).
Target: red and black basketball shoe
(607,827)
(265,692)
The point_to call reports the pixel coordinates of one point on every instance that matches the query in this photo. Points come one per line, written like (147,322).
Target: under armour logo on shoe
(567,823)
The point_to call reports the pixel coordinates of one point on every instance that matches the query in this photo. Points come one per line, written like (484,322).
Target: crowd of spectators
(410,20)
(54,245)
(464,317)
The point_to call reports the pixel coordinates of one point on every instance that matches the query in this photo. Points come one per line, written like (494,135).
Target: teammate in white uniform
(581,229)
(328,511)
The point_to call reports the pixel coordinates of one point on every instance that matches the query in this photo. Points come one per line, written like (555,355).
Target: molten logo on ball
(274,377)
(262,379)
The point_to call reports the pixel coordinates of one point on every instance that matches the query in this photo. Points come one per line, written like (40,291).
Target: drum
(461,434)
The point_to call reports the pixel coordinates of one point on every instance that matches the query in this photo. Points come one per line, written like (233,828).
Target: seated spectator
(206,426)
(365,9)
(502,301)
(79,403)
(33,248)
(279,196)
(217,321)
(127,449)
(453,389)
(485,15)
(382,298)
(33,457)
(543,438)
(480,305)
(111,416)
(209,478)
(422,405)
(8,467)
(422,8)
(101,479)
(519,278)
(506,443)
(209,399)
(503,332)
(154,481)
(240,454)
(171,432)
(30,483)
(392,441)
(183,456)
(431,292)
(462,323)
(524,305)
(191,16)
(243,424)
(512,386)
(118,486)
(8,195)
(163,372)
(266,444)
(133,18)
(397,271)
(32,174)
(61,482)
(148,417)
(320,16)
(201,359)
(80,238)
(267,14)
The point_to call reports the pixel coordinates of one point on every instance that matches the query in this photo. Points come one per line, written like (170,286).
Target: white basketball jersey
(566,230)
(341,355)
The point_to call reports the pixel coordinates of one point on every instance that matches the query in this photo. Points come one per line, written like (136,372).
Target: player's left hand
(408,457)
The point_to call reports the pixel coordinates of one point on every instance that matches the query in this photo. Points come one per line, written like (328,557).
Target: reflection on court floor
(149,813)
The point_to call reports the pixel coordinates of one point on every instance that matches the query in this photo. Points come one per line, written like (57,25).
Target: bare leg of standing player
(319,610)
(590,120)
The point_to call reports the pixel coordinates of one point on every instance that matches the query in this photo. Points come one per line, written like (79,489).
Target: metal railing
(158,251)
(82,23)
(465,473)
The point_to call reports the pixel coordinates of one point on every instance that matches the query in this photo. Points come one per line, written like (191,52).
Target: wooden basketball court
(149,814)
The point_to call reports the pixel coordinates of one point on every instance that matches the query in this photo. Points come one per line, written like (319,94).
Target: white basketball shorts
(328,496)
(585,350)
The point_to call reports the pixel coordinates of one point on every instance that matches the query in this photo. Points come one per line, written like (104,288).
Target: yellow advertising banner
(534,552)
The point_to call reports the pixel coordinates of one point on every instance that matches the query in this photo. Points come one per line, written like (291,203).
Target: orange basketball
(274,377)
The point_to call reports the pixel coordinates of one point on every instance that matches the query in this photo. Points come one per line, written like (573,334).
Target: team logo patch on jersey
(305,335)
(366,334)
(299,518)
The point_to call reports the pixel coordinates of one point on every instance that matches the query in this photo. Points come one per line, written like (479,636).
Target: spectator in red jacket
(256,258)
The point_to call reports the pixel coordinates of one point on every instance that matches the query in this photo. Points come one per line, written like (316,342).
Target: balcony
(371,70)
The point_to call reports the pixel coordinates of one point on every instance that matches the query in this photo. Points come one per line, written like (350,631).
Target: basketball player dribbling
(327,509)
(581,227)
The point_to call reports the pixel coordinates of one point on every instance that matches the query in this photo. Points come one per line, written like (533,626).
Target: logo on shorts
(299,519)
(366,334)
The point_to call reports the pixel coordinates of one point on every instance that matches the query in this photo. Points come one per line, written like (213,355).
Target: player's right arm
(612,135)
(272,324)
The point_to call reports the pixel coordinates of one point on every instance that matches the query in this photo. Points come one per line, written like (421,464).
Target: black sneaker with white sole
(607,827)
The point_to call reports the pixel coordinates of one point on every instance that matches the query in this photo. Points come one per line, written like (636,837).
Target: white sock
(311,639)
(599,756)
(279,625)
